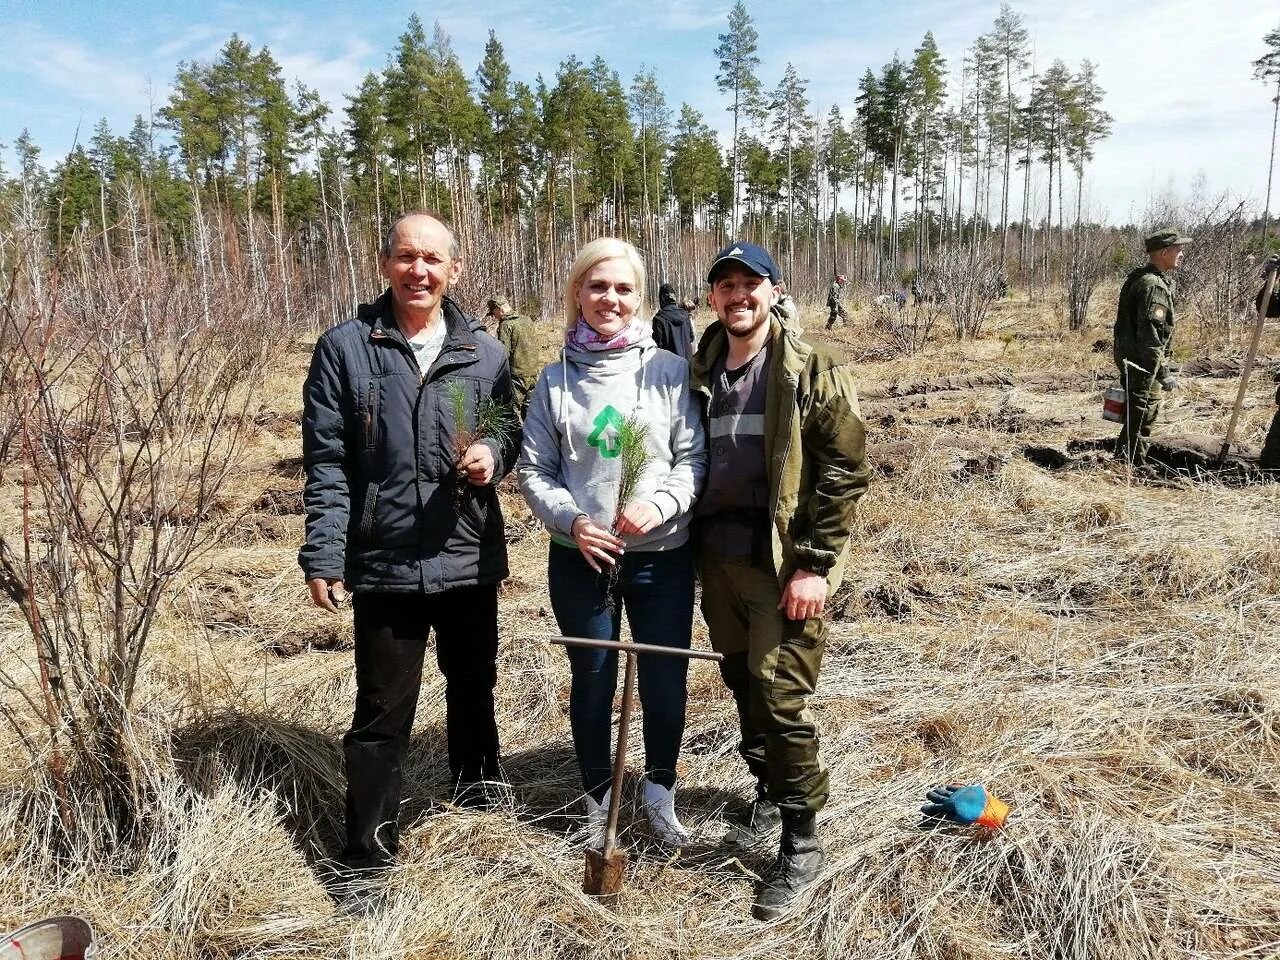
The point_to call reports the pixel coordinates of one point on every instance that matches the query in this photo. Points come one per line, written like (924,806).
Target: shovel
(606,868)
(1248,361)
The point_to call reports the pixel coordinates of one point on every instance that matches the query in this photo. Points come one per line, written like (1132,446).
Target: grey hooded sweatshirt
(569,461)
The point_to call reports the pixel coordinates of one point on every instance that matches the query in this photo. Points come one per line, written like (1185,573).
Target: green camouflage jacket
(1144,321)
(814,449)
(516,334)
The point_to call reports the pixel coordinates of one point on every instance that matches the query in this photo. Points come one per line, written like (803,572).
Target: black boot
(799,864)
(755,826)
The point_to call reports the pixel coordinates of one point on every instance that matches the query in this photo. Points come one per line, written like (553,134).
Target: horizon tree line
(923,157)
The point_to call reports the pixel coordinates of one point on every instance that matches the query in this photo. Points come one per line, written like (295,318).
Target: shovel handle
(620,754)
(1247,368)
(637,648)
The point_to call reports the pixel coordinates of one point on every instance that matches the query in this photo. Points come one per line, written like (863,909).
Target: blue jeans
(656,589)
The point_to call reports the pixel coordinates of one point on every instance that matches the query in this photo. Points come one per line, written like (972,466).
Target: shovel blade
(604,873)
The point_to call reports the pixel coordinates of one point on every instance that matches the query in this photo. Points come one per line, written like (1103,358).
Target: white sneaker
(660,808)
(592,833)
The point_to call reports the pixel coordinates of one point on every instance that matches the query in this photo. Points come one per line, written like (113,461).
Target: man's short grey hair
(385,250)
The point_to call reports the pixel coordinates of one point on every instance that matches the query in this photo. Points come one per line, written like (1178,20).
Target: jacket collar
(789,360)
(459,332)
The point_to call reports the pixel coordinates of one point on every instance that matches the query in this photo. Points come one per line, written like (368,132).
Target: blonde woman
(609,370)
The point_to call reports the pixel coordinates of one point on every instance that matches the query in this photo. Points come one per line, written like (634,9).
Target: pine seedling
(633,459)
(493,420)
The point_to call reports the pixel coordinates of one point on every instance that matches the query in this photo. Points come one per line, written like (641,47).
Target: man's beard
(755,326)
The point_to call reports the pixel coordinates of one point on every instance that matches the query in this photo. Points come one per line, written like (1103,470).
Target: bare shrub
(1093,258)
(132,414)
(966,283)
(906,329)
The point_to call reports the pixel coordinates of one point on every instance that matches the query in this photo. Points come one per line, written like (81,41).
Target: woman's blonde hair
(602,248)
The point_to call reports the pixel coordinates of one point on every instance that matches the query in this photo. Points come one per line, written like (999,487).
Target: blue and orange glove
(966,805)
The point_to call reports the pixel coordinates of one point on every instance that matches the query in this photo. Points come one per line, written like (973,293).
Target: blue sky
(1177,74)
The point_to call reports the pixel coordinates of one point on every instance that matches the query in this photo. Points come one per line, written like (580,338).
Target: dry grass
(1103,653)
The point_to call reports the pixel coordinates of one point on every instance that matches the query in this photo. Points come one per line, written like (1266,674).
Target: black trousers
(391,641)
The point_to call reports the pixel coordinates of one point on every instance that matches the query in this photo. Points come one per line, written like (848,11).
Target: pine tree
(694,165)
(653,120)
(498,160)
(838,161)
(453,125)
(567,112)
(738,62)
(407,105)
(1049,101)
(1267,69)
(1086,123)
(366,134)
(72,201)
(927,80)
(611,146)
(791,124)
(1009,44)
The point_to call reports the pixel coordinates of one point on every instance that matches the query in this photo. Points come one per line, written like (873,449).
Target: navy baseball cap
(754,258)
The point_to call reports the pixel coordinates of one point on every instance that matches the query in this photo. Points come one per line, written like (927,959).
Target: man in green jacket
(1143,338)
(516,334)
(786,467)
(835,301)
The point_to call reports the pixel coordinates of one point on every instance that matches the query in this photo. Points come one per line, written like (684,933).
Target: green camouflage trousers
(1142,408)
(771,667)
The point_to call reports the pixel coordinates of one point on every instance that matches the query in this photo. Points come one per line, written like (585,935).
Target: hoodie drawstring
(564,413)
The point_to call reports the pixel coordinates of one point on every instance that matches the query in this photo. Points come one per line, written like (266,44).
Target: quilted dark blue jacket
(378,445)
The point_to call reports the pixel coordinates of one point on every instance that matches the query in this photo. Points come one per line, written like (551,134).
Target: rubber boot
(660,808)
(799,865)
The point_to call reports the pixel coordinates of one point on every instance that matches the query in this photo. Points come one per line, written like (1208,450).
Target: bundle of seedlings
(492,420)
(634,458)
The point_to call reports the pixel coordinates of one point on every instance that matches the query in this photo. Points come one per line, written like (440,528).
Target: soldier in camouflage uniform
(835,302)
(1143,338)
(516,334)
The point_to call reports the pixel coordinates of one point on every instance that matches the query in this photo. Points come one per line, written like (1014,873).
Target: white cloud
(74,68)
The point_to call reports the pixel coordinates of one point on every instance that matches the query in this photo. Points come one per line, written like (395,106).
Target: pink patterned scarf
(584,337)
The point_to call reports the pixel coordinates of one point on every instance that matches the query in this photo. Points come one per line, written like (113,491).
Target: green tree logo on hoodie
(606,437)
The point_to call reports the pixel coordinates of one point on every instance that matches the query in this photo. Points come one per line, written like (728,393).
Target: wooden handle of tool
(637,648)
(1247,369)
(620,753)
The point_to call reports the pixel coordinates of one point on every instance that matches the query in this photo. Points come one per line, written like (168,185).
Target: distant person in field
(672,325)
(1144,340)
(397,520)
(786,467)
(835,302)
(786,306)
(607,557)
(516,334)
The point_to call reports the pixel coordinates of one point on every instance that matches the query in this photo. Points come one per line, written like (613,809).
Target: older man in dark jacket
(672,325)
(395,515)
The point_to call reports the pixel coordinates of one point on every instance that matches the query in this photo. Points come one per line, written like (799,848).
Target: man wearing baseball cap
(1142,342)
(786,468)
